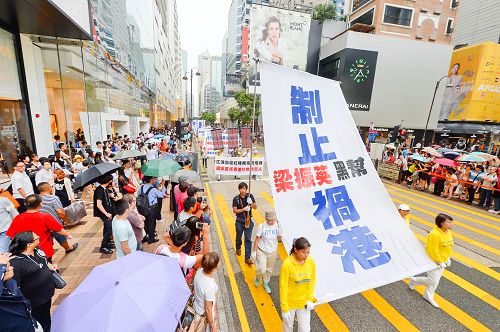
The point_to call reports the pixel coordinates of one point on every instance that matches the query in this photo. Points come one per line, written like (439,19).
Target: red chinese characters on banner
(302,177)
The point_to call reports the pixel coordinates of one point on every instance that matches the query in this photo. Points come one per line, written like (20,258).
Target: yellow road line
(474,290)
(455,312)
(232,280)
(454,213)
(468,261)
(455,235)
(455,206)
(388,311)
(377,301)
(271,320)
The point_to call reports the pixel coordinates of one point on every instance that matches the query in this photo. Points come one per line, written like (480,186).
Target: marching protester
(242,208)
(52,205)
(33,274)
(439,245)
(205,292)
(404,211)
(125,240)
(103,208)
(266,250)
(297,283)
(21,185)
(7,213)
(42,224)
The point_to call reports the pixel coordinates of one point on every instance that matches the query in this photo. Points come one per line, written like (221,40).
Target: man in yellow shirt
(404,211)
(438,246)
(297,282)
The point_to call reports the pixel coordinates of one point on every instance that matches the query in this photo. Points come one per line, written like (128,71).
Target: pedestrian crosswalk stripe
(267,311)
(473,289)
(442,202)
(468,261)
(324,311)
(455,312)
(455,234)
(232,281)
(453,213)
(377,301)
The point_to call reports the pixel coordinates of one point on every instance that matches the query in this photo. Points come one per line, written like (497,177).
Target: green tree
(243,114)
(209,117)
(325,12)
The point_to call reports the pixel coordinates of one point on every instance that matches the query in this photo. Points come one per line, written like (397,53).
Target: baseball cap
(404,207)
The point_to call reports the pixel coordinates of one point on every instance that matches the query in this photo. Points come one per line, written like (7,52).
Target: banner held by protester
(326,188)
(238,166)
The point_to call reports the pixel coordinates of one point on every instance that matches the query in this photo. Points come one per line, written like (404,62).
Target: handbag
(130,188)
(59,282)
(75,212)
(11,198)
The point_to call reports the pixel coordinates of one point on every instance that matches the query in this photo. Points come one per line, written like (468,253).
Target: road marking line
(271,320)
(455,312)
(392,192)
(473,289)
(232,280)
(377,301)
(468,261)
(325,312)
(455,235)
(470,211)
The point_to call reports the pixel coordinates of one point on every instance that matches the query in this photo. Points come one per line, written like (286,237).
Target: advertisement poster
(473,93)
(238,166)
(279,36)
(319,181)
(233,85)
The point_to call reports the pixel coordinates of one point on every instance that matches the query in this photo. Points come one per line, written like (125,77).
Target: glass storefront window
(15,135)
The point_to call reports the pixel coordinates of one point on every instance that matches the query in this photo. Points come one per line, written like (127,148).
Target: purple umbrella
(139,292)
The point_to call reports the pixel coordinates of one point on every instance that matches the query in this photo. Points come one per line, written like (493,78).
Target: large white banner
(326,189)
(238,166)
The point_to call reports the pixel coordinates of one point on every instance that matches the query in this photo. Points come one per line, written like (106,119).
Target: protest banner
(238,166)
(326,189)
(209,144)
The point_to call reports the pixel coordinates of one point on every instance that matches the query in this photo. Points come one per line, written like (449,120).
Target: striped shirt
(51,203)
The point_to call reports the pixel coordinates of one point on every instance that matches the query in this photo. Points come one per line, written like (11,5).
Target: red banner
(244,44)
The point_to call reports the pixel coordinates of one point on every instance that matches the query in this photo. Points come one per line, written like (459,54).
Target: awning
(39,17)
(467,128)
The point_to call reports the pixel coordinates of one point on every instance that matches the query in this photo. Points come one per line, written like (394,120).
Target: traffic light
(179,128)
(394,134)
(401,135)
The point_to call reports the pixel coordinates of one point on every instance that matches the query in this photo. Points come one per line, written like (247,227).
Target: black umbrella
(93,174)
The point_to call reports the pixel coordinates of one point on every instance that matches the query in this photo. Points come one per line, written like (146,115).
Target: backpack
(142,202)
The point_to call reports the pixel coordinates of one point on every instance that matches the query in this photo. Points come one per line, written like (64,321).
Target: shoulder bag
(59,282)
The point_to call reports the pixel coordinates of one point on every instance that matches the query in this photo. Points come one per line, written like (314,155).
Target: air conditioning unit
(454,4)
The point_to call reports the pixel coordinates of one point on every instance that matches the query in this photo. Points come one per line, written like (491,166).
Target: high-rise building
(185,85)
(425,20)
(215,82)
(205,70)
(477,21)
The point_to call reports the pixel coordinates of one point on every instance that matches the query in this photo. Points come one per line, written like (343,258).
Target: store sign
(238,166)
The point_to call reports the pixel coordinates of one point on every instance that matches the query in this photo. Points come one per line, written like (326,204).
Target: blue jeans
(485,197)
(4,242)
(240,230)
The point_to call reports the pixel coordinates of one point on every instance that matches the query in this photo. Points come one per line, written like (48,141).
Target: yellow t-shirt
(297,283)
(439,245)
(407,221)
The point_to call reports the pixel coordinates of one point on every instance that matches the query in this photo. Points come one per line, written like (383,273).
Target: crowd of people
(473,182)
(129,205)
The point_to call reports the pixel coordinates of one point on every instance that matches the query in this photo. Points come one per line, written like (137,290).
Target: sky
(202,24)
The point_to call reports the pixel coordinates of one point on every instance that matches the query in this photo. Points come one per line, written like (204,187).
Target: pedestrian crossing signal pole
(252,132)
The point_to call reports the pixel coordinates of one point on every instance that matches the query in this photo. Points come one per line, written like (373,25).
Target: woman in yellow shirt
(438,246)
(297,282)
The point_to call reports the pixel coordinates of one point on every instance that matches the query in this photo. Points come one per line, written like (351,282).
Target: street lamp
(190,115)
(432,104)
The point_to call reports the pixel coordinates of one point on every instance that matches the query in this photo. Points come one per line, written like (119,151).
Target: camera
(199,225)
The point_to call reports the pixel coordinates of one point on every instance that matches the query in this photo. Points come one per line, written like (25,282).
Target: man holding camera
(242,208)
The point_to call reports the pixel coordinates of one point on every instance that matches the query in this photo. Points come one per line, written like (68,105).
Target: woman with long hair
(271,46)
(33,274)
(62,188)
(297,282)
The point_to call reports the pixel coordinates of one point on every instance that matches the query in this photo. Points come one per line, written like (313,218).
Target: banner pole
(253,125)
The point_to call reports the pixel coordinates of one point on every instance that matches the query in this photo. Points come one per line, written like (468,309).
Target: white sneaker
(411,283)
(431,301)
(492,211)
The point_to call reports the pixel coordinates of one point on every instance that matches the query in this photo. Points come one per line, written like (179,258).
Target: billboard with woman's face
(279,36)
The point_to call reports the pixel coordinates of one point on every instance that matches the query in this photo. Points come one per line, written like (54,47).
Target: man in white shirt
(21,185)
(45,174)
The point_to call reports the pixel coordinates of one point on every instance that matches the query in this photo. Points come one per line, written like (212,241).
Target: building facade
(477,22)
(424,20)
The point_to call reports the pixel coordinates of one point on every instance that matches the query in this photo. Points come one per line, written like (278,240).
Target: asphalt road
(468,292)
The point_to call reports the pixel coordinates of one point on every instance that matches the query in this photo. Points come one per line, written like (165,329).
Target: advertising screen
(279,36)
(473,91)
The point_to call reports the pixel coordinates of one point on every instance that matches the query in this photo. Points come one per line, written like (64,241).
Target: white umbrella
(432,151)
